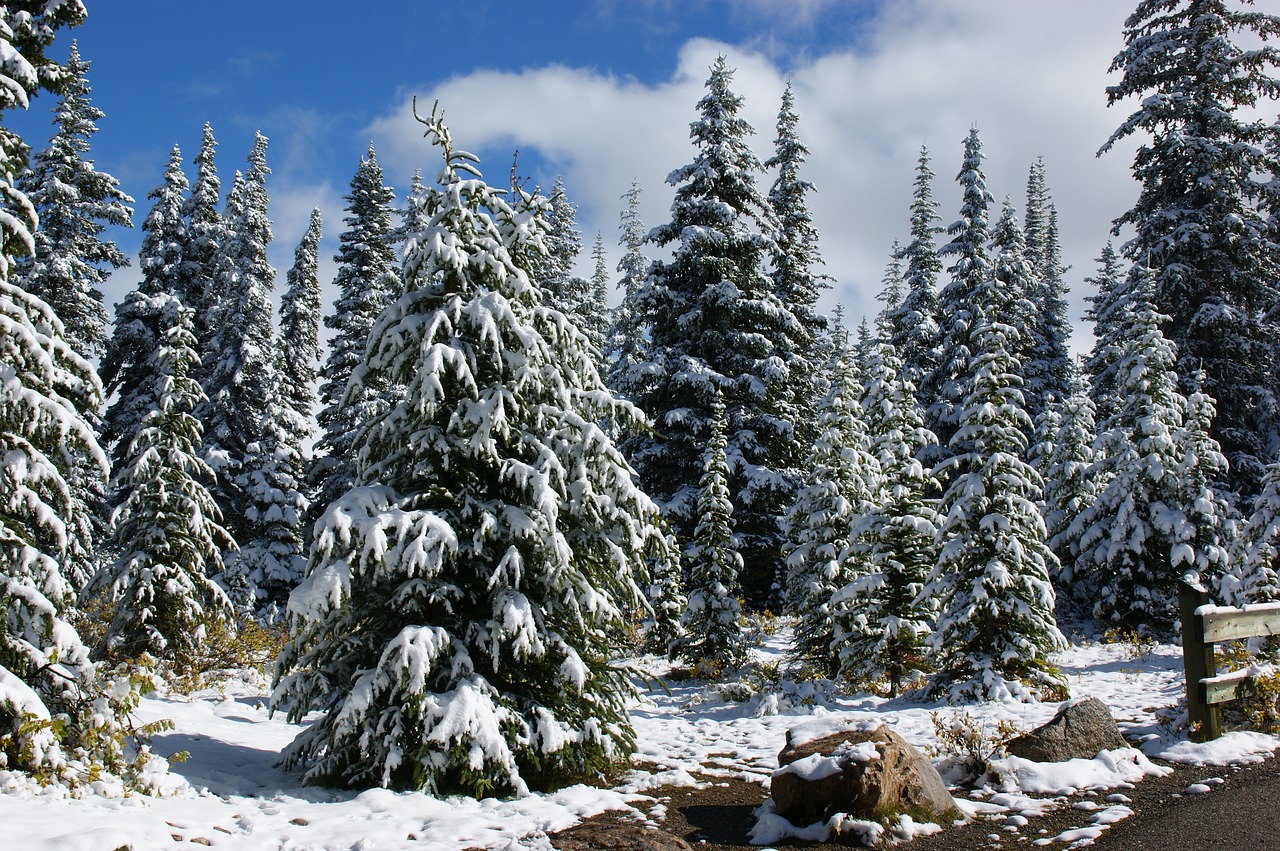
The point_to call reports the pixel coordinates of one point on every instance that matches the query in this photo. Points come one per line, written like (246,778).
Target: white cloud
(1030,75)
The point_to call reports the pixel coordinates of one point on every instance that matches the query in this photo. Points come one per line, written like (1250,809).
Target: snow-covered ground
(234,797)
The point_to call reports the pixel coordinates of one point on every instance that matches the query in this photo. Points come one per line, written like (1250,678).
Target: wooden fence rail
(1203,625)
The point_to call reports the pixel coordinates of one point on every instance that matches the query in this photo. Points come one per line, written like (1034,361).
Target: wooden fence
(1203,625)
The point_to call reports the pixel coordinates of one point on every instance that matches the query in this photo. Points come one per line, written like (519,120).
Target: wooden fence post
(1198,663)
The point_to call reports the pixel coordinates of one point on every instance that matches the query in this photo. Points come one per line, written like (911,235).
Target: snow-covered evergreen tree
(1136,538)
(796,279)
(717,327)
(949,384)
(206,236)
(271,560)
(239,364)
(915,333)
(1048,369)
(1018,283)
(1256,565)
(1071,484)
(465,598)
(891,292)
(825,550)
(75,202)
(593,314)
(1105,311)
(44,387)
(712,618)
(298,352)
(127,362)
(995,624)
(1196,72)
(366,282)
(882,621)
(166,526)
(628,333)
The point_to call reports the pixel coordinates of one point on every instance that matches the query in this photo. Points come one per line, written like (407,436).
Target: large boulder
(1079,730)
(593,836)
(866,772)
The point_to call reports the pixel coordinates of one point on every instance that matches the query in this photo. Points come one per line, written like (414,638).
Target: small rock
(1080,730)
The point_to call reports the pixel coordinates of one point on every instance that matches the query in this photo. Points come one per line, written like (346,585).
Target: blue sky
(602,92)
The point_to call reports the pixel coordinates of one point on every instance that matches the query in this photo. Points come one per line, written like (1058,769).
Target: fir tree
(593,315)
(166,526)
(718,327)
(272,561)
(1071,484)
(825,547)
(1049,369)
(1203,165)
(1105,312)
(465,597)
(1017,280)
(796,279)
(45,387)
(882,621)
(366,280)
(127,361)
(74,202)
(915,333)
(712,619)
(949,384)
(995,623)
(239,363)
(1256,575)
(206,236)
(890,294)
(628,333)
(1138,537)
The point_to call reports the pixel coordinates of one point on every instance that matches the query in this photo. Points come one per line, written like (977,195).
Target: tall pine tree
(914,330)
(1203,164)
(366,281)
(75,202)
(717,327)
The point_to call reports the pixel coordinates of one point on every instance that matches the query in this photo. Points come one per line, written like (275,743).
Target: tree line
(457,506)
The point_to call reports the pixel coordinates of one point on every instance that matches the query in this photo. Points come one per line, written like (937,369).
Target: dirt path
(719,817)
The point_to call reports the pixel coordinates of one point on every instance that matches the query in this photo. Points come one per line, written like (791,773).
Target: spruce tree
(271,560)
(206,236)
(1017,280)
(891,293)
(1256,573)
(1139,535)
(718,327)
(712,619)
(1195,69)
(825,550)
(796,279)
(1049,370)
(628,333)
(882,620)
(366,280)
(949,384)
(239,363)
(126,362)
(75,202)
(995,624)
(1106,309)
(46,386)
(166,527)
(466,596)
(916,334)
(1071,484)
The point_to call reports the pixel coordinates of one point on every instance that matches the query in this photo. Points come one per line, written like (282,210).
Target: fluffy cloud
(1030,75)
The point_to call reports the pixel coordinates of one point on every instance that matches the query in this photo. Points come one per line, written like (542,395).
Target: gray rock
(592,836)
(831,775)
(1080,730)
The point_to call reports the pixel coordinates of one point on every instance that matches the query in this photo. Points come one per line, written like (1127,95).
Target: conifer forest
(449,506)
